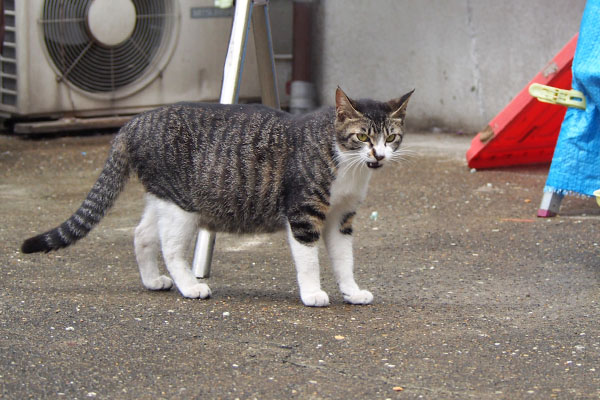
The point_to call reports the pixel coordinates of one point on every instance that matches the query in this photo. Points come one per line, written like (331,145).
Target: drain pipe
(302,90)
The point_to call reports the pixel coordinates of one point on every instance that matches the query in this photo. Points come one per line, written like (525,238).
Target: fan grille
(97,68)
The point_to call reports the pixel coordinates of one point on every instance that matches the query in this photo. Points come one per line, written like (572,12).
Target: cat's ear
(344,107)
(398,106)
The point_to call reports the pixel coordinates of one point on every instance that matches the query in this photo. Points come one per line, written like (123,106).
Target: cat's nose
(378,157)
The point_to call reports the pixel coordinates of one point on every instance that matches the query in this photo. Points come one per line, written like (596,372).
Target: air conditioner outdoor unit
(90,58)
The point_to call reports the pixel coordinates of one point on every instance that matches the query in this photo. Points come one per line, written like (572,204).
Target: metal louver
(8,57)
(102,46)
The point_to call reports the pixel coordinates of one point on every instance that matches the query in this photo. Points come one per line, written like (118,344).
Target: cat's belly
(249,224)
(226,211)
(236,215)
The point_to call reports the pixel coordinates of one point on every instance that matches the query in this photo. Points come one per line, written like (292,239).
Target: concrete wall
(466,58)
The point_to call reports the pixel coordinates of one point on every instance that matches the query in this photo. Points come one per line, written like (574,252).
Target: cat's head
(369,133)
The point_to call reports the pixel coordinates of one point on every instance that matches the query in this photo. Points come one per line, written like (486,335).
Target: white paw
(160,283)
(196,291)
(315,299)
(360,297)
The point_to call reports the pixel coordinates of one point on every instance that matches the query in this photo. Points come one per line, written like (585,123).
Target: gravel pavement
(475,297)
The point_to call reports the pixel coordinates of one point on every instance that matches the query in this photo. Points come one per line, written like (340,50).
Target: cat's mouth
(374,165)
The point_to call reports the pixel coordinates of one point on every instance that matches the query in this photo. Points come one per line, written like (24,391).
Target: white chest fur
(350,186)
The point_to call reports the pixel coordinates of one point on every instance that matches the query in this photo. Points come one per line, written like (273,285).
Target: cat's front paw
(315,299)
(160,283)
(360,297)
(196,291)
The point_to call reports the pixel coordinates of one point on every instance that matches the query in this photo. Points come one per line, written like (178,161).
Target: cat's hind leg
(146,243)
(176,228)
(338,240)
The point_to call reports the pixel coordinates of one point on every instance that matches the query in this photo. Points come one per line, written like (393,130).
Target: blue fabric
(575,165)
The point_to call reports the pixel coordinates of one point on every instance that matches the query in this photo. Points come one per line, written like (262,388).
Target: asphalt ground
(475,297)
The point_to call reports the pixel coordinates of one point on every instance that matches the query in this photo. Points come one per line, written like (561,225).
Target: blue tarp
(575,166)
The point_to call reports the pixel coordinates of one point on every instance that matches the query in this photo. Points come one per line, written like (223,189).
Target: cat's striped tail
(99,200)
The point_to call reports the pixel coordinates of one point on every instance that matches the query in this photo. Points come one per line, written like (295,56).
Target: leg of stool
(232,74)
(203,254)
(550,205)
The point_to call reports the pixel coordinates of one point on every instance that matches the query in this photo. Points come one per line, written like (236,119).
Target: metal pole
(232,76)
(234,63)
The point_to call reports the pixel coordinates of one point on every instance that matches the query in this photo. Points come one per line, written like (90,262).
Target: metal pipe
(232,76)
(236,52)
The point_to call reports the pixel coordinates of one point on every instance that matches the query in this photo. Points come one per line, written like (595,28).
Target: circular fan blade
(99,58)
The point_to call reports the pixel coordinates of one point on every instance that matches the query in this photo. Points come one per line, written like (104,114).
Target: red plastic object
(526,130)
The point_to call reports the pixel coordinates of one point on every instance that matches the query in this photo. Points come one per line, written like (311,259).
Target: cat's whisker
(403,159)
(407,149)
(351,163)
(360,161)
(408,154)
(342,160)
(404,155)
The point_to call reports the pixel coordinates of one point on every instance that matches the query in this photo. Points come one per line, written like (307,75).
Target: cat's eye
(363,137)
(390,138)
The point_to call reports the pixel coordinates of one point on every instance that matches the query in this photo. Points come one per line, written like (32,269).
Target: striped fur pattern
(242,168)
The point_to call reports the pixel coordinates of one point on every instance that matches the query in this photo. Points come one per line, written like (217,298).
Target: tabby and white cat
(244,169)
